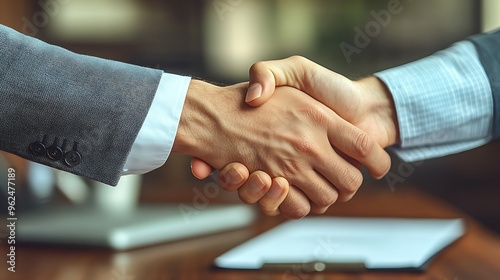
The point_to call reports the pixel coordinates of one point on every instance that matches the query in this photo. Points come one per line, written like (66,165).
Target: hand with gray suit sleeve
(72,112)
(82,114)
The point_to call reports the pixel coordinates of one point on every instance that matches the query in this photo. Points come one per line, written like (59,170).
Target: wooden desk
(476,256)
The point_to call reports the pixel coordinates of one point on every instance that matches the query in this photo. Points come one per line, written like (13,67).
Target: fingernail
(254,92)
(255,186)
(234,177)
(274,191)
(193,172)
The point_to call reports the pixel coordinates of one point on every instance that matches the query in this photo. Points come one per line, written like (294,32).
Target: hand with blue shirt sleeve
(366,104)
(445,102)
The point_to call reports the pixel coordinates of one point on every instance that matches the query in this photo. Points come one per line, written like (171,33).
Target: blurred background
(218,40)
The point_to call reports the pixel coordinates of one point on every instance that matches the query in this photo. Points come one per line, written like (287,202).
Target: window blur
(220,39)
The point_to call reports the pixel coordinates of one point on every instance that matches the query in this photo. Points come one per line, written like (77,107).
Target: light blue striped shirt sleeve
(444,103)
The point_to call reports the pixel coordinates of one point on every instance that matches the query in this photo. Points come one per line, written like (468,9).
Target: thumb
(262,83)
(295,71)
(201,169)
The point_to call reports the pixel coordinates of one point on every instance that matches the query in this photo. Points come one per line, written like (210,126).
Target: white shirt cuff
(156,137)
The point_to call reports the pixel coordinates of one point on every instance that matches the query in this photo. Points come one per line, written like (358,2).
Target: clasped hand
(293,154)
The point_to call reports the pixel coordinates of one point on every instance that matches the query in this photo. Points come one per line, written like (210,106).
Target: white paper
(379,243)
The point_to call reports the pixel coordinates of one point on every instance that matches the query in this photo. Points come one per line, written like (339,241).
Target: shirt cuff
(157,134)
(444,103)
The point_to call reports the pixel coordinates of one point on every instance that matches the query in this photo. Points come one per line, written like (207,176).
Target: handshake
(301,147)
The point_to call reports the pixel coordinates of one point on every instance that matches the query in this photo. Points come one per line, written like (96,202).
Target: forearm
(72,102)
(199,119)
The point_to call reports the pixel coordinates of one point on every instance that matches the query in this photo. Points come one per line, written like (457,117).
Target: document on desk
(329,243)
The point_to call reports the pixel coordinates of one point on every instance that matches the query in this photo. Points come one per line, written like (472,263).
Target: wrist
(381,106)
(196,118)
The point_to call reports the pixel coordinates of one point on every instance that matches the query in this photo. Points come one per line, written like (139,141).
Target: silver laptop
(143,226)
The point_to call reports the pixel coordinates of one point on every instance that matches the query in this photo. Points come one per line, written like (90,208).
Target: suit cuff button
(54,153)
(37,148)
(72,158)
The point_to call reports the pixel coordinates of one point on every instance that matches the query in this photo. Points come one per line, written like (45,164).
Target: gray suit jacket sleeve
(488,48)
(72,112)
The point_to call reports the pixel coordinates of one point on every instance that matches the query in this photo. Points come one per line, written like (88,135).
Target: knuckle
(305,145)
(325,196)
(328,199)
(295,206)
(257,67)
(346,198)
(297,213)
(364,145)
(290,167)
(317,114)
(297,59)
(352,183)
